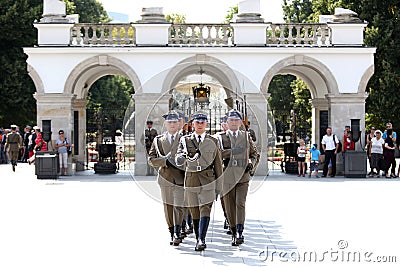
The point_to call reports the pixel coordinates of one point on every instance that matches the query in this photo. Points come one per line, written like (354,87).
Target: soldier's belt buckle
(198,168)
(234,163)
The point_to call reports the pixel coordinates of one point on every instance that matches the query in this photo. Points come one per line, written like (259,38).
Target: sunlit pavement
(110,220)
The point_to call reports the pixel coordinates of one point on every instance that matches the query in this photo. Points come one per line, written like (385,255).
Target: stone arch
(365,79)
(307,68)
(219,69)
(87,72)
(36,79)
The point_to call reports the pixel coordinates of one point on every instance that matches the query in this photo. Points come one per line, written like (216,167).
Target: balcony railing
(90,34)
(200,35)
(301,34)
(279,35)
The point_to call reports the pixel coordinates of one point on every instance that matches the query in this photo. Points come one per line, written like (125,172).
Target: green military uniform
(240,157)
(203,164)
(170,178)
(13,144)
(149,135)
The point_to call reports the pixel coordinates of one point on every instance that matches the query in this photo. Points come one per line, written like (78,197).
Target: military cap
(149,122)
(171,116)
(13,126)
(200,117)
(234,114)
(224,119)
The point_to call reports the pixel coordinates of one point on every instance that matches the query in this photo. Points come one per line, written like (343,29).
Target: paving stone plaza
(108,220)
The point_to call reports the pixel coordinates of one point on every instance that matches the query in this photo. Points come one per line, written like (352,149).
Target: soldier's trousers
(200,203)
(235,203)
(173,202)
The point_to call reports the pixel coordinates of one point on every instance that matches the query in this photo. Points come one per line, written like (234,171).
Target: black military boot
(196,224)
(183,230)
(189,223)
(171,232)
(177,235)
(201,242)
(234,243)
(226,224)
(240,238)
(13,163)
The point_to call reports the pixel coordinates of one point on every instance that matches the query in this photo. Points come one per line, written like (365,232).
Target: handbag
(69,150)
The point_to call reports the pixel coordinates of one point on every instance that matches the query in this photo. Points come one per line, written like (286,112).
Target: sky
(205,11)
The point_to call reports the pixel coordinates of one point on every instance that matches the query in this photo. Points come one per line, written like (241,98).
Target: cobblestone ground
(93,220)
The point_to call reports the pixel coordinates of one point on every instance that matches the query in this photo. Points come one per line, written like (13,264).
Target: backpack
(340,146)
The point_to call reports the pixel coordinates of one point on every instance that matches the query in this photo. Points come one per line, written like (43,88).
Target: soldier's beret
(149,122)
(200,117)
(234,114)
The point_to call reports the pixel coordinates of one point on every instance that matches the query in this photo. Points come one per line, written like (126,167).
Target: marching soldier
(149,134)
(200,154)
(170,177)
(13,144)
(224,127)
(187,217)
(240,157)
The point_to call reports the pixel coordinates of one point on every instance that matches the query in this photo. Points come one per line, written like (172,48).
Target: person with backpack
(330,145)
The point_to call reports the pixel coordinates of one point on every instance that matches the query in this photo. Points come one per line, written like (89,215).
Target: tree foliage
(16,87)
(382,32)
(176,18)
(90,11)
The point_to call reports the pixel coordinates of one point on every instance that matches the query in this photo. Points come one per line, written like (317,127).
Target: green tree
(230,13)
(297,11)
(16,17)
(302,105)
(109,95)
(176,18)
(90,11)
(281,99)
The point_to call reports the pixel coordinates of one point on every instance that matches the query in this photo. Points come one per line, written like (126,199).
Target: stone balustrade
(280,35)
(299,34)
(112,34)
(201,34)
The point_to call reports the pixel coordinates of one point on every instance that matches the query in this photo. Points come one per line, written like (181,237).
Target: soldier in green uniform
(149,134)
(170,177)
(224,127)
(201,156)
(13,144)
(240,158)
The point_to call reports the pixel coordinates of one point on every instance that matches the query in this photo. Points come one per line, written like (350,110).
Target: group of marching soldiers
(194,168)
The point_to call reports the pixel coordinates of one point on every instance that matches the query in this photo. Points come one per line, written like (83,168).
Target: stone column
(257,108)
(343,108)
(317,105)
(148,106)
(79,105)
(58,109)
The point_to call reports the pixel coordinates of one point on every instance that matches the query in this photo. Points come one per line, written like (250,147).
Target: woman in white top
(301,158)
(377,143)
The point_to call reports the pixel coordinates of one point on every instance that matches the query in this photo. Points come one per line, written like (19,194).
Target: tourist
(388,154)
(348,144)
(301,158)
(315,154)
(330,145)
(369,137)
(62,146)
(376,150)
(40,145)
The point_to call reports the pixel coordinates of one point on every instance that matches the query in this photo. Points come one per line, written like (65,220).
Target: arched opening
(298,88)
(101,88)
